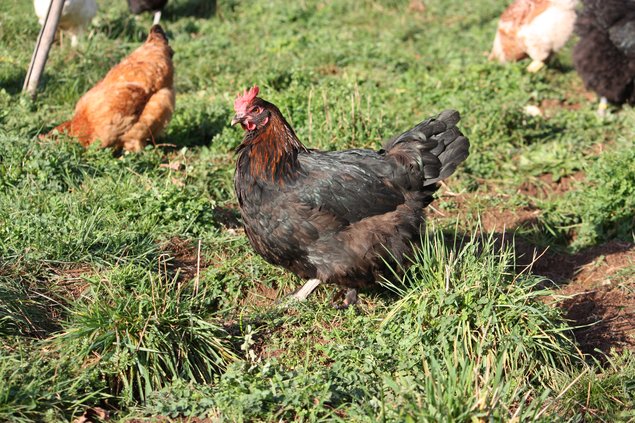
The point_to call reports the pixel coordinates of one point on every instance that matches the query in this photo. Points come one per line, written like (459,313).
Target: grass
(143,332)
(106,299)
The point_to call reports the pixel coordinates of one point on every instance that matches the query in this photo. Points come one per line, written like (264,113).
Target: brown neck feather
(271,153)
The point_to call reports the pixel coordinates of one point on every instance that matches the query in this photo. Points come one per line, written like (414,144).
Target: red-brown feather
(338,216)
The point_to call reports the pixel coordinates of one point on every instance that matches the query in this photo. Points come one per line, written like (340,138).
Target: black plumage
(338,216)
(140,6)
(605,53)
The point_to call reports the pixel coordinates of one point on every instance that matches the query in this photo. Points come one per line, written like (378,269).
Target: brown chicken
(533,28)
(133,103)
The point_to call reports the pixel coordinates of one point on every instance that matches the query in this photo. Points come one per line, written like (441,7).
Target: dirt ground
(595,286)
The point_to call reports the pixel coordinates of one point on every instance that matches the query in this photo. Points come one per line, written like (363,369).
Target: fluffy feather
(338,216)
(605,54)
(133,103)
(76,15)
(533,28)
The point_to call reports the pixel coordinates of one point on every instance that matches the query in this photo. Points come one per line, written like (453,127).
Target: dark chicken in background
(337,217)
(155,6)
(605,54)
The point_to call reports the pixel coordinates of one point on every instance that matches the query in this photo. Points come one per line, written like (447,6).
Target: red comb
(243,100)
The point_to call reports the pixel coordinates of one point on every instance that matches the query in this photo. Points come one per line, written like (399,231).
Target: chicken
(76,15)
(337,217)
(133,103)
(155,6)
(605,54)
(533,28)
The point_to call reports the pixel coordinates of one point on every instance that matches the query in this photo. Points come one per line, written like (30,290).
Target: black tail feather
(434,148)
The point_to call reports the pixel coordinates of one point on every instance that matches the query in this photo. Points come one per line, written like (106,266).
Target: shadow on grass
(556,63)
(26,308)
(534,130)
(13,84)
(605,318)
(194,131)
(603,315)
(176,9)
(125,26)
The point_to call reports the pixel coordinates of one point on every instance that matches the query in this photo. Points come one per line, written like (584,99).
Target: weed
(142,332)
(97,310)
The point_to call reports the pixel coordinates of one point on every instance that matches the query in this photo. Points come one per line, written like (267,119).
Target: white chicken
(76,15)
(534,28)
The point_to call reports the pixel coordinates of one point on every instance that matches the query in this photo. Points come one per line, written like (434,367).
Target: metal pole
(42,47)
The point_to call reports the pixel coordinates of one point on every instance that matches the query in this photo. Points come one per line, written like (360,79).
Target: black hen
(605,54)
(155,6)
(337,217)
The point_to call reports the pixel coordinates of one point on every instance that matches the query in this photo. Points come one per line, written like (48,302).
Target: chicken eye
(256,110)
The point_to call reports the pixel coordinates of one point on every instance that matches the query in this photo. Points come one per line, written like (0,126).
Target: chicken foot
(349,294)
(350,298)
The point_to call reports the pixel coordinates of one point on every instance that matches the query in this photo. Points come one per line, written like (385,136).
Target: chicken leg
(535,66)
(602,107)
(349,294)
(302,293)
(157,17)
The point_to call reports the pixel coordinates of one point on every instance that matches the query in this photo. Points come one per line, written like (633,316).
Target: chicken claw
(350,298)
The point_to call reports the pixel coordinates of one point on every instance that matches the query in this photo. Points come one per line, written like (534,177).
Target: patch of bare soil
(551,106)
(260,295)
(605,318)
(577,98)
(182,257)
(546,186)
(491,219)
(599,288)
(417,6)
(499,220)
(602,297)
(70,279)
(589,268)
(598,282)
(37,300)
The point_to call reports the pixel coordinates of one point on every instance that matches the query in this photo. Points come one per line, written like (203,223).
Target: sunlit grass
(97,308)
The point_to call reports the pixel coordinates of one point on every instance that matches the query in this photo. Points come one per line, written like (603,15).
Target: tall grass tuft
(143,331)
(485,335)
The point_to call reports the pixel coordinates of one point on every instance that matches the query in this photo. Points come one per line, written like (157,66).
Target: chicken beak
(237,119)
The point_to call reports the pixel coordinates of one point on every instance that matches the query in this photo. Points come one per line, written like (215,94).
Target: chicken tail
(431,150)
(63,128)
